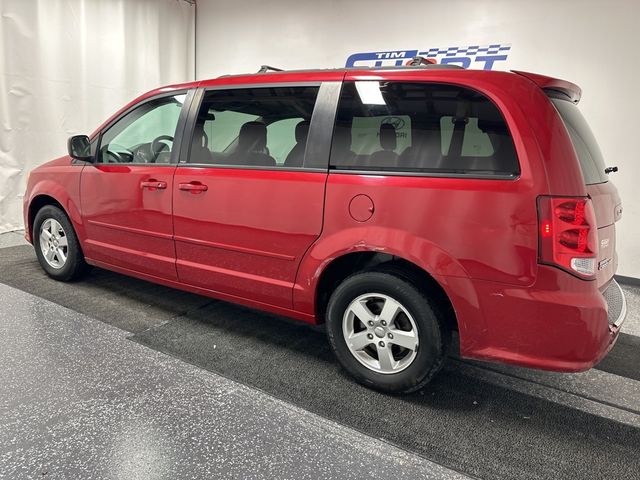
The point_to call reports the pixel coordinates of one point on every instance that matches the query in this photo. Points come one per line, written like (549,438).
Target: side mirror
(79,148)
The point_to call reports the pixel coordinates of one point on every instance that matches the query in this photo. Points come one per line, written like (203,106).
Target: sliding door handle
(193,187)
(152,184)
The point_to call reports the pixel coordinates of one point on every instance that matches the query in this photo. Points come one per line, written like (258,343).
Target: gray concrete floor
(78,400)
(632,323)
(11,239)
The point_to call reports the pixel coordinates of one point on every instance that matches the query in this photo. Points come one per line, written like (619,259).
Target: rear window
(585,144)
(420,128)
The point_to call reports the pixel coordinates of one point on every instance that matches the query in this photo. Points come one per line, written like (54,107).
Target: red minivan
(396,205)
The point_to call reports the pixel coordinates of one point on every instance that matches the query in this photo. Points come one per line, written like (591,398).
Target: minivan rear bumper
(616,306)
(560,323)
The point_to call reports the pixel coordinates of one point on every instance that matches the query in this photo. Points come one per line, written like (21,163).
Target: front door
(126,193)
(249,202)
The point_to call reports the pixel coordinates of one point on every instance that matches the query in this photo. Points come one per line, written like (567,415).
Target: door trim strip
(235,248)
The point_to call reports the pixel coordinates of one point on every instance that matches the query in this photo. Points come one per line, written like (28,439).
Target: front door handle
(153,184)
(193,187)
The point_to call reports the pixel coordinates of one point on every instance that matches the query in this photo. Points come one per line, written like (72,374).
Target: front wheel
(385,333)
(56,245)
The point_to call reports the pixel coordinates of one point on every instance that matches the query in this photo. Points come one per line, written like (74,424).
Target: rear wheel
(385,332)
(56,245)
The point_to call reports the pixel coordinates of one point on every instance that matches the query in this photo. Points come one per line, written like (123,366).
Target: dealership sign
(484,57)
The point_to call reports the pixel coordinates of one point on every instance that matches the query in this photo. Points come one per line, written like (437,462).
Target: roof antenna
(267,68)
(418,60)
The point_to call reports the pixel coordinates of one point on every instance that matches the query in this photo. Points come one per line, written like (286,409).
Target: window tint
(585,144)
(258,127)
(475,142)
(365,133)
(144,135)
(281,137)
(227,128)
(420,127)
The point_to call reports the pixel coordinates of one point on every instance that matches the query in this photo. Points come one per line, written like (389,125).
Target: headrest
(252,137)
(200,137)
(388,136)
(302,130)
(342,138)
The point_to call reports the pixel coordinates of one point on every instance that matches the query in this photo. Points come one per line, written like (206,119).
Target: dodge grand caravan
(396,205)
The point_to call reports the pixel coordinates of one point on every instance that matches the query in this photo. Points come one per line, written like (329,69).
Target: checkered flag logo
(471,50)
(479,56)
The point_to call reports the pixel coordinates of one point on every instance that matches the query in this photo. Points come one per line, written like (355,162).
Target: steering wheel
(112,156)
(158,147)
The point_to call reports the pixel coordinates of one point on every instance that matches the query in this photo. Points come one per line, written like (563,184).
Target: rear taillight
(568,234)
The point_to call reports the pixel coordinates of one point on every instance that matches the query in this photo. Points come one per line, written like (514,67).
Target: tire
(67,262)
(416,322)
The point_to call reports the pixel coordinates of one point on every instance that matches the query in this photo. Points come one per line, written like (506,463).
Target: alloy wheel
(380,333)
(53,243)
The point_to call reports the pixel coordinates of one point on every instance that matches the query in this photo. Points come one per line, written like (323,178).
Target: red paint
(127,224)
(263,238)
(573,91)
(245,236)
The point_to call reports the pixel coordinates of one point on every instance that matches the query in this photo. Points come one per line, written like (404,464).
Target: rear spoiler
(567,90)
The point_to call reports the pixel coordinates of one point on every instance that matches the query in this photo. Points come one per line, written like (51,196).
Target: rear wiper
(609,170)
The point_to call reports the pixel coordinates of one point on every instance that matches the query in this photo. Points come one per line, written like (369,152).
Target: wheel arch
(36,204)
(50,192)
(349,263)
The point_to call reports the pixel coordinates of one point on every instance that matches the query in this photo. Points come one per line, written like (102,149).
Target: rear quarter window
(426,128)
(584,142)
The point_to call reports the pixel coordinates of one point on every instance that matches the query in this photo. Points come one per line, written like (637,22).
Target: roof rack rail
(267,68)
(418,60)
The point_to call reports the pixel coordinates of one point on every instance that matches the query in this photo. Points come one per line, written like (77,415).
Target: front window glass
(144,135)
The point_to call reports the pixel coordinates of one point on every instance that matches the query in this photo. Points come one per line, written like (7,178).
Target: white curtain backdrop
(66,65)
